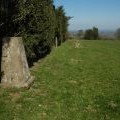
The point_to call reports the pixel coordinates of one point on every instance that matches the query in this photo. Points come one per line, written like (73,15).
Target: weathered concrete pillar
(56,42)
(14,67)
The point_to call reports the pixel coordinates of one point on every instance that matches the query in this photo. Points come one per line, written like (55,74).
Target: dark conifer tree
(91,34)
(37,21)
(61,24)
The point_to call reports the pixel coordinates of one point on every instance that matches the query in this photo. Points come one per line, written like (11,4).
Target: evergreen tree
(88,34)
(91,34)
(95,33)
(37,21)
(37,24)
(7,11)
(61,24)
(117,33)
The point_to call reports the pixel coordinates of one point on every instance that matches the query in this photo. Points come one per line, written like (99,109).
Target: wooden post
(14,67)
(56,42)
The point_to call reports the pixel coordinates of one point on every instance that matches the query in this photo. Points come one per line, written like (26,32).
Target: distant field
(77,81)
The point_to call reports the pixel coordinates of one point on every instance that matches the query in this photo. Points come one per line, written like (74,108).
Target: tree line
(89,34)
(95,34)
(39,22)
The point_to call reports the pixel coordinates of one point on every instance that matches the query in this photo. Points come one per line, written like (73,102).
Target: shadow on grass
(108,104)
(42,54)
(0,57)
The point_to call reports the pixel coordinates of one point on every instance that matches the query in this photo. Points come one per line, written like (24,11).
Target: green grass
(70,84)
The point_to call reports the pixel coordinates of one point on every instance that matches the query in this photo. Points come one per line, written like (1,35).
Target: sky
(104,14)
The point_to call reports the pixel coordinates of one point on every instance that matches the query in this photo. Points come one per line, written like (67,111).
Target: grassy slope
(71,84)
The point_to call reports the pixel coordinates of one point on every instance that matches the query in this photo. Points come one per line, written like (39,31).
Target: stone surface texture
(14,66)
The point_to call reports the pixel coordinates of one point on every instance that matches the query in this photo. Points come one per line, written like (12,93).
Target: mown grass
(71,83)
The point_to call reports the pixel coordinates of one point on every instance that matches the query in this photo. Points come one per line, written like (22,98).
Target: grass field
(77,81)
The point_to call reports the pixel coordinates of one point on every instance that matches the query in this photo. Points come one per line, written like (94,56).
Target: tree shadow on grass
(108,105)
(0,57)
(39,55)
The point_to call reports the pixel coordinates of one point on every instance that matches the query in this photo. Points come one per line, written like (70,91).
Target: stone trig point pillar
(14,66)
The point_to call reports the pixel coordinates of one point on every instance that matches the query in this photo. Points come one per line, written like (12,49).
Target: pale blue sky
(104,14)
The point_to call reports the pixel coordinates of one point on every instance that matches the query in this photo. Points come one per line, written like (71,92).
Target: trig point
(14,66)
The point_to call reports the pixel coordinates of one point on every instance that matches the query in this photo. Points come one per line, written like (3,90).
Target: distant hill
(107,33)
